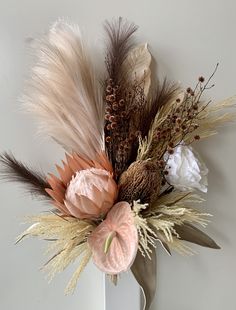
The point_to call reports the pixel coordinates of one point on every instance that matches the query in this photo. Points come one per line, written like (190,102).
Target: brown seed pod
(142,180)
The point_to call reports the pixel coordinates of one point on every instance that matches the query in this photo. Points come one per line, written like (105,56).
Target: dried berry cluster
(122,121)
(182,120)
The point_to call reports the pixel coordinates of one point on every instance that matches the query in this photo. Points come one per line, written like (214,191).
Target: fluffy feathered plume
(64,92)
(15,171)
(119,33)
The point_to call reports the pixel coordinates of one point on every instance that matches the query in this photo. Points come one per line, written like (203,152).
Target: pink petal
(73,210)
(87,206)
(123,247)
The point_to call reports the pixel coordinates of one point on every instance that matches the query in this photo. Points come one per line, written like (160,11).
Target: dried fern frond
(68,242)
(13,170)
(64,92)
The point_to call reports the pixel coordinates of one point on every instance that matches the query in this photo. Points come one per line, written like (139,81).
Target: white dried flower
(185,170)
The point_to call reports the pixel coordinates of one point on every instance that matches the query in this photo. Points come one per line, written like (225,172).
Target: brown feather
(15,171)
(164,93)
(119,33)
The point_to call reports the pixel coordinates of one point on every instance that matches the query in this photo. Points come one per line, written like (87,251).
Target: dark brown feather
(15,171)
(192,234)
(119,33)
(164,93)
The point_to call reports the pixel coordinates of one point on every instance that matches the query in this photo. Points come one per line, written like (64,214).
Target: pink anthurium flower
(114,242)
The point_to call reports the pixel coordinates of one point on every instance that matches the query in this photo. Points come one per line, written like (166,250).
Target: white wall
(187,38)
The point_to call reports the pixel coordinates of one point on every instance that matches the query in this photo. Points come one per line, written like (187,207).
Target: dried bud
(107,116)
(112,97)
(170,151)
(178,100)
(108,127)
(112,118)
(163,182)
(197,137)
(121,103)
(201,79)
(113,125)
(108,110)
(161,163)
(189,90)
(115,106)
(108,139)
(109,89)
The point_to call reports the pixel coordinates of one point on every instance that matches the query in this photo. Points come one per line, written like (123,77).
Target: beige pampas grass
(64,92)
(213,117)
(159,221)
(67,237)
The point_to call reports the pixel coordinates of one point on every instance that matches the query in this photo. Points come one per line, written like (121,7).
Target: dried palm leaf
(192,234)
(136,68)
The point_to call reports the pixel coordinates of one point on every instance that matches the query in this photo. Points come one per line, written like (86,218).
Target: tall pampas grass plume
(64,92)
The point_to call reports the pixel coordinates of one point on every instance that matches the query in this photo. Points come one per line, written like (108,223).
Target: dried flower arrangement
(130,175)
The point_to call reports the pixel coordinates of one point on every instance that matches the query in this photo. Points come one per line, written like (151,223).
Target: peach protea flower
(85,189)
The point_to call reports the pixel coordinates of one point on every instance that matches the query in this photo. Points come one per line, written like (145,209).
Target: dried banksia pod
(141,181)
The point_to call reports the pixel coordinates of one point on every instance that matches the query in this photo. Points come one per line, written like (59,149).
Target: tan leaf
(136,67)
(144,271)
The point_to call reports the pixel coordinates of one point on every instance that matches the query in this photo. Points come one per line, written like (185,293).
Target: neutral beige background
(187,38)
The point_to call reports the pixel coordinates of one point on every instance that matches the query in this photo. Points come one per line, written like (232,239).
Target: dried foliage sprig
(178,121)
